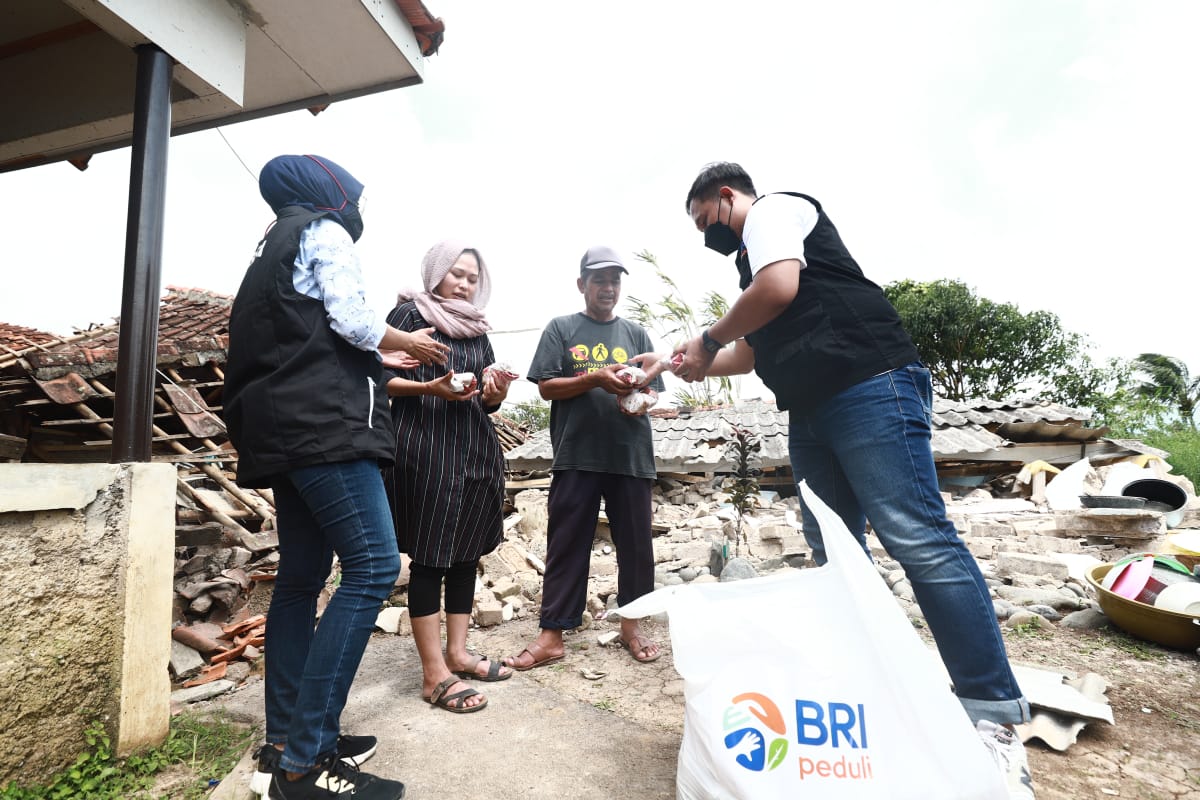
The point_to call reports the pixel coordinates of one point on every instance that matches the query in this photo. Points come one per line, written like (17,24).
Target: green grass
(1140,650)
(1183,444)
(206,746)
(1030,630)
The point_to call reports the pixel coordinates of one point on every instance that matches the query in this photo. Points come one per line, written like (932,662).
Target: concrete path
(530,742)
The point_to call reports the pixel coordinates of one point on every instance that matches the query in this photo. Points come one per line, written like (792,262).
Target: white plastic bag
(1063,490)
(813,684)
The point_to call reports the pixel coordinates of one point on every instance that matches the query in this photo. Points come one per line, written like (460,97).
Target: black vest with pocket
(839,330)
(296,393)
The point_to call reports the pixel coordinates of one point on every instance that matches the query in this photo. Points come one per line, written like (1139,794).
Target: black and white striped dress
(447,486)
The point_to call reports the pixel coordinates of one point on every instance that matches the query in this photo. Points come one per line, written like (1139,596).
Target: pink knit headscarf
(455,318)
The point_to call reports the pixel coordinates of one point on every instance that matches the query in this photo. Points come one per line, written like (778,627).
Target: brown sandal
(537,654)
(440,699)
(493,673)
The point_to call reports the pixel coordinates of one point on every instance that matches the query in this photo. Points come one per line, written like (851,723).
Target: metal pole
(138,344)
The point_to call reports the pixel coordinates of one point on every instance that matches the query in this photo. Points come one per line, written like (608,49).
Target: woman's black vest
(296,393)
(838,331)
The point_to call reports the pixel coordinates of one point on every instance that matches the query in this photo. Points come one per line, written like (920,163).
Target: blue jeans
(324,509)
(866,453)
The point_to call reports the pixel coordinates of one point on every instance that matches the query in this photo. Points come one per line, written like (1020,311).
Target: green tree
(533,415)
(674,320)
(975,347)
(1166,379)
(743,449)
(1108,392)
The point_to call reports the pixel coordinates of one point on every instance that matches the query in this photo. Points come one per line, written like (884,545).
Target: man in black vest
(831,347)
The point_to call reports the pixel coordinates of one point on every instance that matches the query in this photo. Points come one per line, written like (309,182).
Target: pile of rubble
(1031,557)
(218,619)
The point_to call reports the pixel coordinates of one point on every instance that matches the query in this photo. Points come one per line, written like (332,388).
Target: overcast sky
(1043,152)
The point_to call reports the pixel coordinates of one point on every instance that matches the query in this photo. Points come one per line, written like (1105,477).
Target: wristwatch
(710,344)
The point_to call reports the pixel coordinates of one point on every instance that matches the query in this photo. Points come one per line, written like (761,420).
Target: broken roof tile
(193,327)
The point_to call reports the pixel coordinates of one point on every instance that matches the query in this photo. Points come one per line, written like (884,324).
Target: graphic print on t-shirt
(596,357)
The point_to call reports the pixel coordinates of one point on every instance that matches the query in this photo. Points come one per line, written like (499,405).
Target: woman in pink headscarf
(447,487)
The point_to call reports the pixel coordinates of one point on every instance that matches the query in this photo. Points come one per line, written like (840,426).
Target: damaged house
(973,442)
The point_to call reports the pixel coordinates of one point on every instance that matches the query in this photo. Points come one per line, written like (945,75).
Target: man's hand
(440,387)
(606,378)
(424,348)
(696,361)
(644,360)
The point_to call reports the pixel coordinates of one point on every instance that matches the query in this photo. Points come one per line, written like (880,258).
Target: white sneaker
(1009,754)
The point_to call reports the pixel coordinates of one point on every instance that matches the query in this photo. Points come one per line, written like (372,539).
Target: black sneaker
(268,759)
(334,779)
(354,750)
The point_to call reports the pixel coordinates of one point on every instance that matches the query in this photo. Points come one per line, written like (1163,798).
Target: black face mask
(719,236)
(352,221)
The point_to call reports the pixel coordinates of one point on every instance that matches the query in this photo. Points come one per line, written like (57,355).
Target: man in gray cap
(600,451)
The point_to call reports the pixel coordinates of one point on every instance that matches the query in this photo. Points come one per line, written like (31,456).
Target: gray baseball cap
(600,257)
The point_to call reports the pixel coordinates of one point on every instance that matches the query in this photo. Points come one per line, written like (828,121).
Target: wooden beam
(686,477)
(266,512)
(528,483)
(58,422)
(12,448)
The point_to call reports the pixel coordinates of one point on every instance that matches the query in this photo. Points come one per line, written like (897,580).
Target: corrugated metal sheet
(694,440)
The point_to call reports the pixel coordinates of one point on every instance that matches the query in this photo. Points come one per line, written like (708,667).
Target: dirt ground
(1151,753)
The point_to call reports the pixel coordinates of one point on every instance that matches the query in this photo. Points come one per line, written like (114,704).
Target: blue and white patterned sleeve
(327,269)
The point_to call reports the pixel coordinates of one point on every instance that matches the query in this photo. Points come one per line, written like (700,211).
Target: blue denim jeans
(866,453)
(324,509)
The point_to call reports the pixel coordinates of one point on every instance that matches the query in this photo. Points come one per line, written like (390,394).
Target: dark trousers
(574,507)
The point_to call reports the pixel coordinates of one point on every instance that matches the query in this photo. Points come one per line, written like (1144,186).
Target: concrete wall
(86,559)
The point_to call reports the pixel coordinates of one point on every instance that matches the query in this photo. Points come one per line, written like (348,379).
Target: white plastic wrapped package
(502,369)
(634,376)
(637,402)
(459,381)
(813,684)
(670,362)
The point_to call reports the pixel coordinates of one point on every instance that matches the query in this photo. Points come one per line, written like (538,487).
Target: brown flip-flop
(534,650)
(637,644)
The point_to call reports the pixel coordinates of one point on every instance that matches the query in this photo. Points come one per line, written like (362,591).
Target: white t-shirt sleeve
(776,228)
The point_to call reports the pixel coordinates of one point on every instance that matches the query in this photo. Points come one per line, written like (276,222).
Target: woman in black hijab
(307,409)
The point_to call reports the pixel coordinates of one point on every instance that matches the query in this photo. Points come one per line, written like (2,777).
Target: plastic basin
(1168,628)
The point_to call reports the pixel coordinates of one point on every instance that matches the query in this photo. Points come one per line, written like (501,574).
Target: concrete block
(204,691)
(505,587)
(692,551)
(981,546)
(794,544)
(389,619)
(488,613)
(1010,563)
(991,528)
(531,505)
(775,532)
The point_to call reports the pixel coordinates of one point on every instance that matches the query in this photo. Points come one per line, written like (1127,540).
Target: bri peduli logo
(763,745)
(747,742)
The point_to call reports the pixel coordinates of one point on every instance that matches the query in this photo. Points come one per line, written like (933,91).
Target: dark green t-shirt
(589,432)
